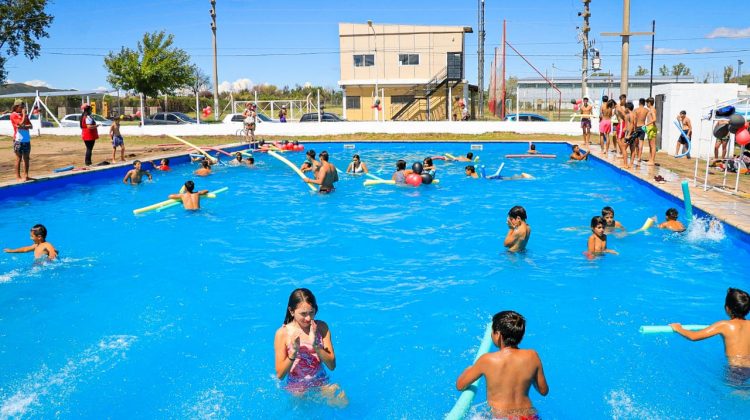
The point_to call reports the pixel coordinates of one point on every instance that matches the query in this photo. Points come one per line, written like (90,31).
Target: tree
(153,67)
(641,71)
(664,70)
(22,23)
(198,79)
(728,72)
(680,69)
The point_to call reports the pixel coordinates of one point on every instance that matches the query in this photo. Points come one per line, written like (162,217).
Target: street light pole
(216,67)
(739,69)
(375,58)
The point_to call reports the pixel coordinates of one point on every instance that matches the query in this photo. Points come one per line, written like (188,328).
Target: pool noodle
(684,134)
(172,202)
(646,225)
(688,202)
(203,152)
(294,168)
(654,329)
(218,150)
(520,156)
(463,404)
(64,168)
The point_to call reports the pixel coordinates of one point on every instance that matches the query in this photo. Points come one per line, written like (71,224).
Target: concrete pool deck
(48,154)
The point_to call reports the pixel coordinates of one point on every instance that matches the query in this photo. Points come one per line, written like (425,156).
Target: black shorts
(22,148)
(682,140)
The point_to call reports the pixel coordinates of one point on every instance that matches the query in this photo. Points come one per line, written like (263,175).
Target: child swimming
(598,240)
(672,223)
(42,249)
(302,347)
(608,213)
(510,372)
(735,332)
(190,200)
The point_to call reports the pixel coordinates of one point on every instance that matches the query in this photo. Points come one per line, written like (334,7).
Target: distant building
(416,69)
(535,93)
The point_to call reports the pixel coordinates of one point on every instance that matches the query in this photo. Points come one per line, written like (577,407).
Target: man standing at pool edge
(327,175)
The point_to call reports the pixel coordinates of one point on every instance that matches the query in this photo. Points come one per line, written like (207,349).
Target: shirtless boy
(205,168)
(577,155)
(135,175)
(117,141)
(672,223)
(326,175)
(605,123)
(510,372)
(469,158)
(651,131)
(598,240)
(640,123)
(42,249)
(190,200)
(586,108)
(687,128)
(518,231)
(471,171)
(735,332)
(618,123)
(608,213)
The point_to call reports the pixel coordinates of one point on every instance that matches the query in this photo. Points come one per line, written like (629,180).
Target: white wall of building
(695,99)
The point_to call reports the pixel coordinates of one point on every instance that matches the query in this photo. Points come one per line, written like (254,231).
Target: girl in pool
(302,346)
(357,166)
(428,166)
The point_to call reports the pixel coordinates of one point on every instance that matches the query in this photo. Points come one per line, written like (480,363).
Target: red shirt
(16,119)
(88,134)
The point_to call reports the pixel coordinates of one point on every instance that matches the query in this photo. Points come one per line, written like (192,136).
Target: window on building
(408,59)
(353,102)
(364,60)
(401,99)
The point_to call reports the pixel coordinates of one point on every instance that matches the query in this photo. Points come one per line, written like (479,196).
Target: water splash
(705,229)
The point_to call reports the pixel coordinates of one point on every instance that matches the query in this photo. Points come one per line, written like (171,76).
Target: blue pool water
(172,314)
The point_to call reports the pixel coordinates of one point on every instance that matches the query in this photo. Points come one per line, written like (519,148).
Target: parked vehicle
(238,118)
(169,118)
(525,117)
(324,117)
(5,119)
(73,120)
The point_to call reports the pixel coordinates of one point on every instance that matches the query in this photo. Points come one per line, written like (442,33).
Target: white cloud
(704,50)
(724,32)
(37,83)
(307,84)
(236,86)
(677,51)
(9,81)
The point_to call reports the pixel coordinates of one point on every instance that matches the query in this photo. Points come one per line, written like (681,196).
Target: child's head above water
(470,155)
(469,169)
(511,326)
(737,303)
(189,186)
(608,213)
(517,212)
(671,214)
(427,161)
(532,146)
(597,221)
(400,165)
(39,232)
(298,296)
(137,164)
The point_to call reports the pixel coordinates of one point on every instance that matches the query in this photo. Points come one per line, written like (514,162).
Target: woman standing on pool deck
(302,346)
(89,133)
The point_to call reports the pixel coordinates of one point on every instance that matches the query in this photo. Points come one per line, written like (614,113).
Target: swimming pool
(172,314)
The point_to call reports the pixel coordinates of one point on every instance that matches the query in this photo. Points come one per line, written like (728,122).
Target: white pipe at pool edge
(467,396)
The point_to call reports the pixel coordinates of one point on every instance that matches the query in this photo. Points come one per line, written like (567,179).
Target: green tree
(154,67)
(199,80)
(728,72)
(22,23)
(680,69)
(641,71)
(664,70)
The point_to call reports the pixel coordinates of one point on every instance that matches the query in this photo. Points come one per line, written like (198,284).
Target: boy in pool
(510,372)
(190,200)
(532,149)
(205,168)
(735,332)
(135,175)
(163,165)
(577,155)
(518,230)
(672,223)
(42,249)
(598,239)
(608,213)
(469,158)
(470,171)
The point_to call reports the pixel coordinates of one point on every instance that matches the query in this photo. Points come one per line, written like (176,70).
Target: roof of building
(612,79)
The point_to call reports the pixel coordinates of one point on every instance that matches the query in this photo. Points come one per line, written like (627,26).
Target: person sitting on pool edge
(510,372)
(42,249)
(302,346)
(577,155)
(518,230)
(135,175)
(357,166)
(326,175)
(672,223)
(205,168)
(190,200)
(471,171)
(735,332)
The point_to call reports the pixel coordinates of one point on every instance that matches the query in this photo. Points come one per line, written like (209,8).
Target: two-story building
(403,72)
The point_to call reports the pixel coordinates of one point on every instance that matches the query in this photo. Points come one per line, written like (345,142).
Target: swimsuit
(585,122)
(358,169)
(605,126)
(307,369)
(117,141)
(651,131)
(400,178)
(621,130)
(22,147)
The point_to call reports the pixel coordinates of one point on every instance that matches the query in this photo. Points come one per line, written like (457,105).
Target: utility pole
(651,80)
(739,69)
(480,63)
(585,14)
(625,34)
(216,67)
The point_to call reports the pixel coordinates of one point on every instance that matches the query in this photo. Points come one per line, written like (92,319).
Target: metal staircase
(417,108)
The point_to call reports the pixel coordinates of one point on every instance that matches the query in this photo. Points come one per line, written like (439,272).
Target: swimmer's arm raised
(471,374)
(712,330)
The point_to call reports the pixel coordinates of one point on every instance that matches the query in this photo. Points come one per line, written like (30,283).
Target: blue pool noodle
(684,134)
(688,203)
(467,396)
(653,329)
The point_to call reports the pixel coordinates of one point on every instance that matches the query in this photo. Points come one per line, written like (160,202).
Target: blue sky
(295,42)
